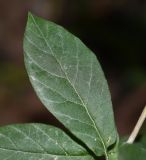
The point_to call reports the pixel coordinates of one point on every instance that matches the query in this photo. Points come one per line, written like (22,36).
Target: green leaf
(69,81)
(132,152)
(38,142)
(142,140)
(136,151)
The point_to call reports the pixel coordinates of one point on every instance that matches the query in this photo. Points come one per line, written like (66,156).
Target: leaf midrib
(96,128)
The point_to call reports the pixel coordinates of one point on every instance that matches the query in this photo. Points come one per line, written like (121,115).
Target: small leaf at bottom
(38,142)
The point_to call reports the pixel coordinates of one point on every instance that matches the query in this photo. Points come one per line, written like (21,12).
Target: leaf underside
(69,81)
(38,142)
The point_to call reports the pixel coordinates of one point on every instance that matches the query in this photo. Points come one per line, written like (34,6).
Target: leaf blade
(132,151)
(60,68)
(38,141)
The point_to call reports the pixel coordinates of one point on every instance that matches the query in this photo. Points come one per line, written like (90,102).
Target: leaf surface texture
(69,81)
(38,142)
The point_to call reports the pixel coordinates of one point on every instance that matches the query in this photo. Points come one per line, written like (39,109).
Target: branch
(137,127)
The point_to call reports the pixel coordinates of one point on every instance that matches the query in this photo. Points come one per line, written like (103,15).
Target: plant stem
(137,127)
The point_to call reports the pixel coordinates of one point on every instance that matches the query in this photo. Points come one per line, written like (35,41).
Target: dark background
(114,30)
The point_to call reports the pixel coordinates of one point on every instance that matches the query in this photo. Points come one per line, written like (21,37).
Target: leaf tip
(30,16)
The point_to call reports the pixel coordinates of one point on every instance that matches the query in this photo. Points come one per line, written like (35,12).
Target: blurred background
(114,30)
